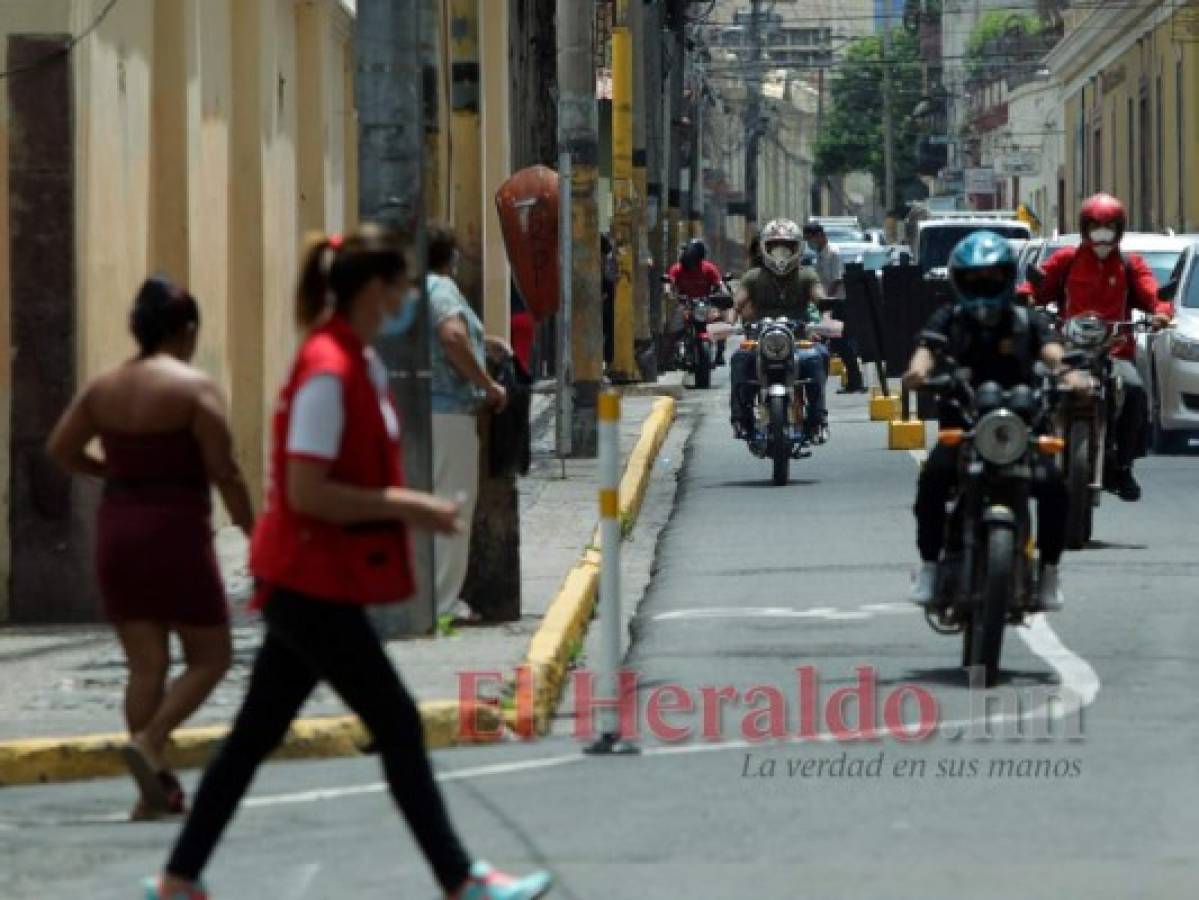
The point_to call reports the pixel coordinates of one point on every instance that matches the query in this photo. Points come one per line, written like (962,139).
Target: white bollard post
(610,617)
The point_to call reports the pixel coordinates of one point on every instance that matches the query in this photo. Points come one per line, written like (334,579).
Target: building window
(1160,153)
(1130,127)
(1179,129)
(1146,192)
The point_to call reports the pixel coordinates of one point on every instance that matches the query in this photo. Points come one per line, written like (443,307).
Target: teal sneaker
(486,883)
(153,891)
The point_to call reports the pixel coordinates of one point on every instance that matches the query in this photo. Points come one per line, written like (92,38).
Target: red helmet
(1102,210)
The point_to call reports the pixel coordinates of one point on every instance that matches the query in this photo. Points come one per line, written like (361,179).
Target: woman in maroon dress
(165,440)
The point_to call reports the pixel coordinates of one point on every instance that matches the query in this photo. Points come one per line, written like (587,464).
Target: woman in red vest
(332,542)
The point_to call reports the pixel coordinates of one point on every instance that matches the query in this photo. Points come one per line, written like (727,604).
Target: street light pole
(394,42)
(888,128)
(753,115)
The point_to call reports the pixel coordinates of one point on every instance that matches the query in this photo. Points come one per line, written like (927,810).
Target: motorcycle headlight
(776,344)
(700,311)
(1185,349)
(1001,437)
(1086,332)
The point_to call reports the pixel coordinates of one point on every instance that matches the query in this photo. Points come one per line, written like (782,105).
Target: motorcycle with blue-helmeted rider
(779,303)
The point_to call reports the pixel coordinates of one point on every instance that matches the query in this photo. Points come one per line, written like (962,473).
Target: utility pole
(888,128)
(678,58)
(624,366)
(695,204)
(817,202)
(578,135)
(466,148)
(639,19)
(656,137)
(753,117)
(393,46)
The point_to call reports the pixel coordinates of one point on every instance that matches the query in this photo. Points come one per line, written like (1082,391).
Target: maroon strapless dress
(154,555)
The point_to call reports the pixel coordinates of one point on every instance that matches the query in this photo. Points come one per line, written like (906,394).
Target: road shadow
(956,676)
(1114,545)
(763,483)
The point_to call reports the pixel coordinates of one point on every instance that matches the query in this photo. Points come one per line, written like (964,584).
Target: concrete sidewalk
(69,681)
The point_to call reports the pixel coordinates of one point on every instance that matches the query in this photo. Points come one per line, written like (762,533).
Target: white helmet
(781,243)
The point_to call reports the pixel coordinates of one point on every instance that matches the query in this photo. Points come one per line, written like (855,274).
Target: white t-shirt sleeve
(318,418)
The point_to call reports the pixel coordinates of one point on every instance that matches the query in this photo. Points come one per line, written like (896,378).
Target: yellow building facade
(1130,74)
(206,138)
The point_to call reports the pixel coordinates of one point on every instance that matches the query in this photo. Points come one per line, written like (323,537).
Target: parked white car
(1169,362)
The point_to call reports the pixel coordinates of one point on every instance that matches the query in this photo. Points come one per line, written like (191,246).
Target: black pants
(307,641)
(847,349)
(1133,417)
(939,477)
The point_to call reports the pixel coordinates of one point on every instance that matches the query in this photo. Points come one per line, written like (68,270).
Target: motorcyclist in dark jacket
(998,341)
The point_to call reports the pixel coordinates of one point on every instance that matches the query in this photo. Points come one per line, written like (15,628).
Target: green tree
(852,136)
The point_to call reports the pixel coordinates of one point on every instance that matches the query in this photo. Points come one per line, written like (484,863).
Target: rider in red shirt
(1096,278)
(693,276)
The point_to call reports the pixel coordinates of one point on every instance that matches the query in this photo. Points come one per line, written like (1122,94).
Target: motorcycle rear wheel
(1078,485)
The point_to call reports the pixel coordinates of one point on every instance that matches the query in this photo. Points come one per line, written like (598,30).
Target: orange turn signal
(805,345)
(951,437)
(749,345)
(1050,446)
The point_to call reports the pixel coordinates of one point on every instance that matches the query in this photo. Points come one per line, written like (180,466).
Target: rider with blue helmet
(986,332)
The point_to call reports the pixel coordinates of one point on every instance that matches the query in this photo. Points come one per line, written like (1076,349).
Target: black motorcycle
(986,578)
(778,399)
(1086,420)
(695,349)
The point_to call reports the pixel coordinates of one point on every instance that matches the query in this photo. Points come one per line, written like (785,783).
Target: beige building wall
(1149,167)
(210,135)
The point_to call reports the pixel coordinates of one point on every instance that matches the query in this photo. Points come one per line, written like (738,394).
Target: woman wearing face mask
(1096,278)
(332,542)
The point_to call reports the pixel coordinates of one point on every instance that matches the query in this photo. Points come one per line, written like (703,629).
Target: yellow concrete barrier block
(884,409)
(905,434)
(837,367)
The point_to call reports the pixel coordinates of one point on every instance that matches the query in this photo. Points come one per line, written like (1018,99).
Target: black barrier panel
(855,313)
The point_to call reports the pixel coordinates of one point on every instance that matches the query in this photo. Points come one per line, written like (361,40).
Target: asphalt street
(1098,798)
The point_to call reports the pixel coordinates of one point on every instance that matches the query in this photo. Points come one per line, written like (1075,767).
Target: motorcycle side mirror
(730,276)
(905,259)
(666,279)
(1168,291)
(1035,276)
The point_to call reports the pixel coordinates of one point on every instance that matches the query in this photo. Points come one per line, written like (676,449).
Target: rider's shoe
(1126,485)
(1049,592)
(153,890)
(924,584)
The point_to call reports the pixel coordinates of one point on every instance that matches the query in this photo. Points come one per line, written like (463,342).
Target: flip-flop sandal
(176,797)
(154,794)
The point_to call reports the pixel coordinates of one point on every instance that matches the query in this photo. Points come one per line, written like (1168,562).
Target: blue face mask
(403,321)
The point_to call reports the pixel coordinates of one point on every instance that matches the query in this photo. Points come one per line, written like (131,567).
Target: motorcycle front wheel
(703,364)
(990,617)
(780,440)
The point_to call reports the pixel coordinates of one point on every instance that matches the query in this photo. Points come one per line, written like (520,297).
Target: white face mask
(1102,235)
(780,254)
(1103,251)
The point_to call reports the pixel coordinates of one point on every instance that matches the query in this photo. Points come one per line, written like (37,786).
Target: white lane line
(376,787)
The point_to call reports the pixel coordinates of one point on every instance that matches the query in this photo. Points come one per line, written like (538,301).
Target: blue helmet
(982,270)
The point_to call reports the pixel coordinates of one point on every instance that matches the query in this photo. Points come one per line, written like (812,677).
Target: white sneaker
(924,584)
(1050,597)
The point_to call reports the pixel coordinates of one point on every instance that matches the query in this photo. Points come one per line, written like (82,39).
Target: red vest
(363,565)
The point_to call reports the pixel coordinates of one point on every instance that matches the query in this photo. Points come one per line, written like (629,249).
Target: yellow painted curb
(47,760)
